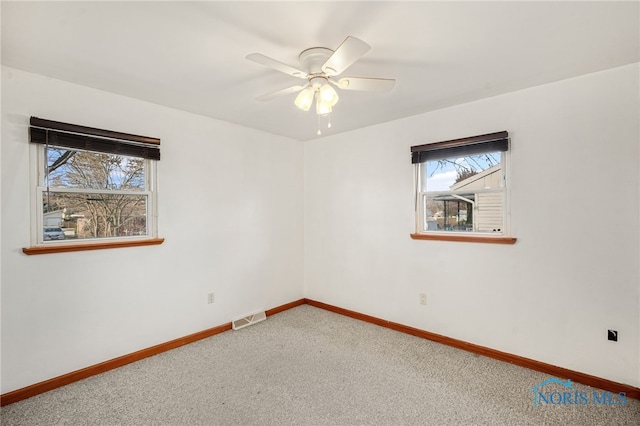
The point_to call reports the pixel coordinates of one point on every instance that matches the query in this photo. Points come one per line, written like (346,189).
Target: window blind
(490,142)
(73,136)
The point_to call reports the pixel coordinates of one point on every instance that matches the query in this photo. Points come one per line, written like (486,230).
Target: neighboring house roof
(476,177)
(56,215)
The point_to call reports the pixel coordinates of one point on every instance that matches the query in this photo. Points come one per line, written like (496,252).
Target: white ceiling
(191,55)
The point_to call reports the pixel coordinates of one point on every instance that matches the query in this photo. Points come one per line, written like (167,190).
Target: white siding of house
(489,212)
(52,218)
(489,178)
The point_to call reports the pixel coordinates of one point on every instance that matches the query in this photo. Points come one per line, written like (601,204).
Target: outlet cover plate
(423,298)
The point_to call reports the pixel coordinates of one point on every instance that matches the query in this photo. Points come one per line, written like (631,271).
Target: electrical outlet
(612,335)
(211,298)
(423,298)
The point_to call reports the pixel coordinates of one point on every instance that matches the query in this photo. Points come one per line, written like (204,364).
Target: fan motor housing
(313,58)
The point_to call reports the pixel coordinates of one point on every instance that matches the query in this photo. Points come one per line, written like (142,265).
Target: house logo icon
(537,393)
(558,392)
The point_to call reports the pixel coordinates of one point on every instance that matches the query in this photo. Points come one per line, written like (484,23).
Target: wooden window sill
(61,248)
(465,238)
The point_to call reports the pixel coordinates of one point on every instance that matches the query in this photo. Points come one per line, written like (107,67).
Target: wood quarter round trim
(63,248)
(465,238)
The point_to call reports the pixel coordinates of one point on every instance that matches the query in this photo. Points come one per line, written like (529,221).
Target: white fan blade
(282,92)
(276,65)
(364,83)
(345,55)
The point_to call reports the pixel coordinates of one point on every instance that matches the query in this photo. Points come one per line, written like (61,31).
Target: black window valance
(491,142)
(73,136)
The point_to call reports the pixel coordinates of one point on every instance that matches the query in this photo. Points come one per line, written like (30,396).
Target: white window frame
(38,189)
(457,148)
(421,200)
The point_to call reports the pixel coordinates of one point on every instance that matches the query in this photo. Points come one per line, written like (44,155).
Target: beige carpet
(307,366)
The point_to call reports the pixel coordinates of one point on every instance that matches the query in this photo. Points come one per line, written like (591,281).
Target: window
(92,185)
(461,186)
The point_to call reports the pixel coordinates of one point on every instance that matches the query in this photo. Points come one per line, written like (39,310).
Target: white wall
(230,208)
(574,272)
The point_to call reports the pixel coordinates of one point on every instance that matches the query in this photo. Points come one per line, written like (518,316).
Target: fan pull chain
(319,132)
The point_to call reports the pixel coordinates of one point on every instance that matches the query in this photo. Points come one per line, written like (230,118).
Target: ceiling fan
(320,66)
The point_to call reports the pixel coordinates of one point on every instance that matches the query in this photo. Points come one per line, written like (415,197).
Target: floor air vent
(246,320)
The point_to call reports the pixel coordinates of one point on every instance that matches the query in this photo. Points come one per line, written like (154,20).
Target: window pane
(87,215)
(66,168)
(473,212)
(470,172)
(447,213)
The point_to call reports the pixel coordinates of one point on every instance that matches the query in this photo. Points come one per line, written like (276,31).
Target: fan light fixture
(320,66)
(305,98)
(325,95)
(328,95)
(322,108)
